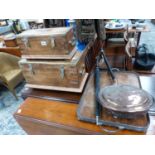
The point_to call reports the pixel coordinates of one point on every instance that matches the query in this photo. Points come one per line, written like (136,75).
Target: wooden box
(10,42)
(49,43)
(62,75)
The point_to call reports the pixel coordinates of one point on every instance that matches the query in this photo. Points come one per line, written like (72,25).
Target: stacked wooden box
(51,60)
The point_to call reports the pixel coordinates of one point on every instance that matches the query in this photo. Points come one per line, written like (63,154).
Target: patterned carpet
(8,105)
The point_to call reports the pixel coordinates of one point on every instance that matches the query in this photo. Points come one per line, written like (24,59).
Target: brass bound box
(62,75)
(47,43)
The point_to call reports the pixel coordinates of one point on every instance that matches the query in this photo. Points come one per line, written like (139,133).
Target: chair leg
(13,92)
(11,89)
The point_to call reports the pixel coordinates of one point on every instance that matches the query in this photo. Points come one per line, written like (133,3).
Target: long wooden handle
(97,88)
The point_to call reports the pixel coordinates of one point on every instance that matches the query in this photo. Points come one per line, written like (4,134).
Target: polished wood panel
(51,95)
(38,116)
(11,50)
(115,56)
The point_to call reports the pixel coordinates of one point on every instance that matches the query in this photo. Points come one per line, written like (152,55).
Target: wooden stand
(77,90)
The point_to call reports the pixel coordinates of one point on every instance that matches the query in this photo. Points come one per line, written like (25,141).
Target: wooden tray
(86,109)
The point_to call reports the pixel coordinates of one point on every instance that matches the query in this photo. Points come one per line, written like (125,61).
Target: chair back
(8,62)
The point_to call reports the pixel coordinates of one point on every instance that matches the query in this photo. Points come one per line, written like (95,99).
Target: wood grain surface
(59,88)
(38,116)
(86,109)
(147,83)
(58,74)
(11,50)
(51,95)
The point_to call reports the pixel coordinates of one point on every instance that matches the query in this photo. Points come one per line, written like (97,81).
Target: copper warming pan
(123,100)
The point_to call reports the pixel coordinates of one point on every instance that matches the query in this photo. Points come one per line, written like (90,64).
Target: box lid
(60,31)
(72,62)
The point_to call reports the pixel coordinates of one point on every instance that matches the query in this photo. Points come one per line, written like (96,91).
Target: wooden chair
(115,47)
(130,50)
(117,38)
(130,57)
(115,50)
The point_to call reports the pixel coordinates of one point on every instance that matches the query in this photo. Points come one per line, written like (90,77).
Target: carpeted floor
(149,37)
(8,104)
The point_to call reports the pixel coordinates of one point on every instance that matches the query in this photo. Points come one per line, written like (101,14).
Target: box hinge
(31,69)
(82,70)
(62,71)
(72,41)
(52,43)
(26,42)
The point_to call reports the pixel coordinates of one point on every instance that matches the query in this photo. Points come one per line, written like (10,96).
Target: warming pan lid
(125,98)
